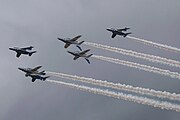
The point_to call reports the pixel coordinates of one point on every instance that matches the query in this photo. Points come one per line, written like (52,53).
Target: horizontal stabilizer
(32,53)
(42,72)
(80,42)
(45,78)
(79,47)
(87,60)
(126,34)
(89,55)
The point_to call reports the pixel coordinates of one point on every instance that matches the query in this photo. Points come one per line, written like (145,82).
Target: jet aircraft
(81,54)
(118,31)
(20,51)
(37,76)
(30,71)
(69,41)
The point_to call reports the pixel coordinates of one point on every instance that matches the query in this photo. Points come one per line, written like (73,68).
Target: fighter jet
(30,71)
(20,51)
(37,76)
(69,41)
(118,31)
(81,54)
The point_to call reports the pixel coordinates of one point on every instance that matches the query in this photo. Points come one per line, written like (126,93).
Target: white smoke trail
(148,57)
(157,45)
(139,66)
(118,86)
(128,97)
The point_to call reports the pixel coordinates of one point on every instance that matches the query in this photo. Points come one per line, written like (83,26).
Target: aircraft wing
(33,79)
(28,48)
(75,38)
(36,68)
(113,35)
(84,52)
(18,54)
(66,45)
(72,53)
(76,57)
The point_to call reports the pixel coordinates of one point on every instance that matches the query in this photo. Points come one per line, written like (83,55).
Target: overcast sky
(40,22)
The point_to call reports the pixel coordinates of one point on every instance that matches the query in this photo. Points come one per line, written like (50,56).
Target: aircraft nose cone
(20,68)
(108,29)
(10,48)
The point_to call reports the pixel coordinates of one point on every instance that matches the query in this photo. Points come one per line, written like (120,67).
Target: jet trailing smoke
(118,86)
(157,45)
(148,57)
(139,66)
(119,95)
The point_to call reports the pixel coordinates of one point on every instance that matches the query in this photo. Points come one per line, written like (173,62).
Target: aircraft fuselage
(29,71)
(116,32)
(19,50)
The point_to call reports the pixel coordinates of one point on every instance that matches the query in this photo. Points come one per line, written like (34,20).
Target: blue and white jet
(69,41)
(24,50)
(30,71)
(118,32)
(37,76)
(81,54)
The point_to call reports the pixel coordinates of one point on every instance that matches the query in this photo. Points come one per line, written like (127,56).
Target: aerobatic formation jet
(81,54)
(69,41)
(37,76)
(118,31)
(34,73)
(30,71)
(24,50)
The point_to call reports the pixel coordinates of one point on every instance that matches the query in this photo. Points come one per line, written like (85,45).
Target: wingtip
(59,38)
(69,51)
(10,48)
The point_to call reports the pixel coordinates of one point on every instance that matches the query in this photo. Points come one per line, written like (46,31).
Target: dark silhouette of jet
(81,54)
(118,32)
(25,51)
(29,71)
(69,41)
(37,76)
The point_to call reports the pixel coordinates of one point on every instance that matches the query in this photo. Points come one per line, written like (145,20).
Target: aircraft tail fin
(126,28)
(32,53)
(31,47)
(42,72)
(79,46)
(88,57)
(126,34)
(80,42)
